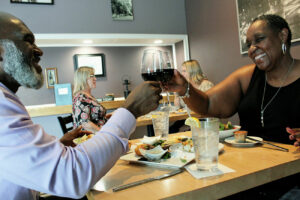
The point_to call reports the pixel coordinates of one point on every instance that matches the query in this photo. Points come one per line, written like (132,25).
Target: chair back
(66,123)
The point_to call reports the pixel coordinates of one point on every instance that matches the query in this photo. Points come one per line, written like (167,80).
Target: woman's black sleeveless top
(282,112)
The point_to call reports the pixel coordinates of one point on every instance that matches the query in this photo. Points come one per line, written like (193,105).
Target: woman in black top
(266,94)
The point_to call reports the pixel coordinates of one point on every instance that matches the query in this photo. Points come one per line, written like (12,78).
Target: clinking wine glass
(157,66)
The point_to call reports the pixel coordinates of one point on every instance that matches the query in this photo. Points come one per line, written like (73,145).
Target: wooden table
(254,166)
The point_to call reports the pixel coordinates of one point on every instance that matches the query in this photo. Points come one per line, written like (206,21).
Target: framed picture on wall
(96,61)
(33,1)
(249,10)
(122,9)
(51,77)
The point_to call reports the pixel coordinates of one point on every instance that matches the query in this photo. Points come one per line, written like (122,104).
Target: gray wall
(94,16)
(179,54)
(213,38)
(119,61)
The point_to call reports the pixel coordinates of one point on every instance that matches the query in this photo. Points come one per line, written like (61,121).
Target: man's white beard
(15,66)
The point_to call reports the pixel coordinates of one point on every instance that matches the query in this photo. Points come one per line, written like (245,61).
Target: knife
(122,187)
(263,142)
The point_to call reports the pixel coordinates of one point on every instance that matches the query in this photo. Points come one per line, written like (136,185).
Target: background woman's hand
(294,135)
(67,138)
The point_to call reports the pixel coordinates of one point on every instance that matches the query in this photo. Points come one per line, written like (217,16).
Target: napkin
(222,169)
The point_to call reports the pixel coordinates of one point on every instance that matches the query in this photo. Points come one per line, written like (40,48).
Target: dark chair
(66,123)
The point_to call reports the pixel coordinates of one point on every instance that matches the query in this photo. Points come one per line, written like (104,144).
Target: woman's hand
(177,84)
(294,135)
(67,138)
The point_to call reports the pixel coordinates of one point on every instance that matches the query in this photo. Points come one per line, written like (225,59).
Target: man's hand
(67,138)
(294,135)
(143,98)
(108,115)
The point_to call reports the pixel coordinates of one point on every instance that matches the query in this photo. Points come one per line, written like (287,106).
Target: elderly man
(32,160)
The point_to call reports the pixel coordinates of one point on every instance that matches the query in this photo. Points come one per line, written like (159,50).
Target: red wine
(163,75)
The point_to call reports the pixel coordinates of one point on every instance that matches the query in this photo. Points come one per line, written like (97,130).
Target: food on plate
(163,148)
(192,121)
(186,144)
(149,143)
(152,152)
(142,146)
(227,126)
(82,139)
(162,143)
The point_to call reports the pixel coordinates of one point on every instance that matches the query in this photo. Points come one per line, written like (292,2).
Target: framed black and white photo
(33,1)
(248,10)
(122,9)
(97,61)
(51,77)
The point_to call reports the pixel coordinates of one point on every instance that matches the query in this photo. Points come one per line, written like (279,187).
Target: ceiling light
(158,41)
(87,41)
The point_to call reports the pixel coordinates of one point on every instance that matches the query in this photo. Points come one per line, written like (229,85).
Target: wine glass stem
(163,99)
(168,97)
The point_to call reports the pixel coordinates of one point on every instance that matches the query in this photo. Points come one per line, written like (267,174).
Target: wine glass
(157,66)
(169,69)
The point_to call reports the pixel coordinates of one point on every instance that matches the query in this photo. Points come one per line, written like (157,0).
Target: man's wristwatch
(187,91)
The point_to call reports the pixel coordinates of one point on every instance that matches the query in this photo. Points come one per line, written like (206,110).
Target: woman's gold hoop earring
(283,47)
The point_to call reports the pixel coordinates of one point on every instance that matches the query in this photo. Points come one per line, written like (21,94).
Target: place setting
(170,152)
(249,141)
(241,139)
(179,152)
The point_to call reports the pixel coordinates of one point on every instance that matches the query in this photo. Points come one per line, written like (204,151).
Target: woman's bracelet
(187,92)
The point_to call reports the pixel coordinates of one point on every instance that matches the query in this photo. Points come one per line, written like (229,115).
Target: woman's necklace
(262,109)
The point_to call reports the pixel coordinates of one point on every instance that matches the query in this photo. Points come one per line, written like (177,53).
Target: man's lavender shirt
(31,160)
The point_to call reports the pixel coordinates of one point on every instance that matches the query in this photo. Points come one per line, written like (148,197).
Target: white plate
(248,143)
(228,133)
(178,158)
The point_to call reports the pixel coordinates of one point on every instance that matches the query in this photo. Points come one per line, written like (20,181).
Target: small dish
(240,136)
(228,133)
(153,154)
(248,143)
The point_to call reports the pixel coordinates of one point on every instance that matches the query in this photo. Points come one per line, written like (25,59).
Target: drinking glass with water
(206,143)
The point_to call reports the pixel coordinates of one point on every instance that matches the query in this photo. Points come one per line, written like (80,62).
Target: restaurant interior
(205,30)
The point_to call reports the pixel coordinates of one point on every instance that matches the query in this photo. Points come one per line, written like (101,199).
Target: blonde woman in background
(85,108)
(192,71)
